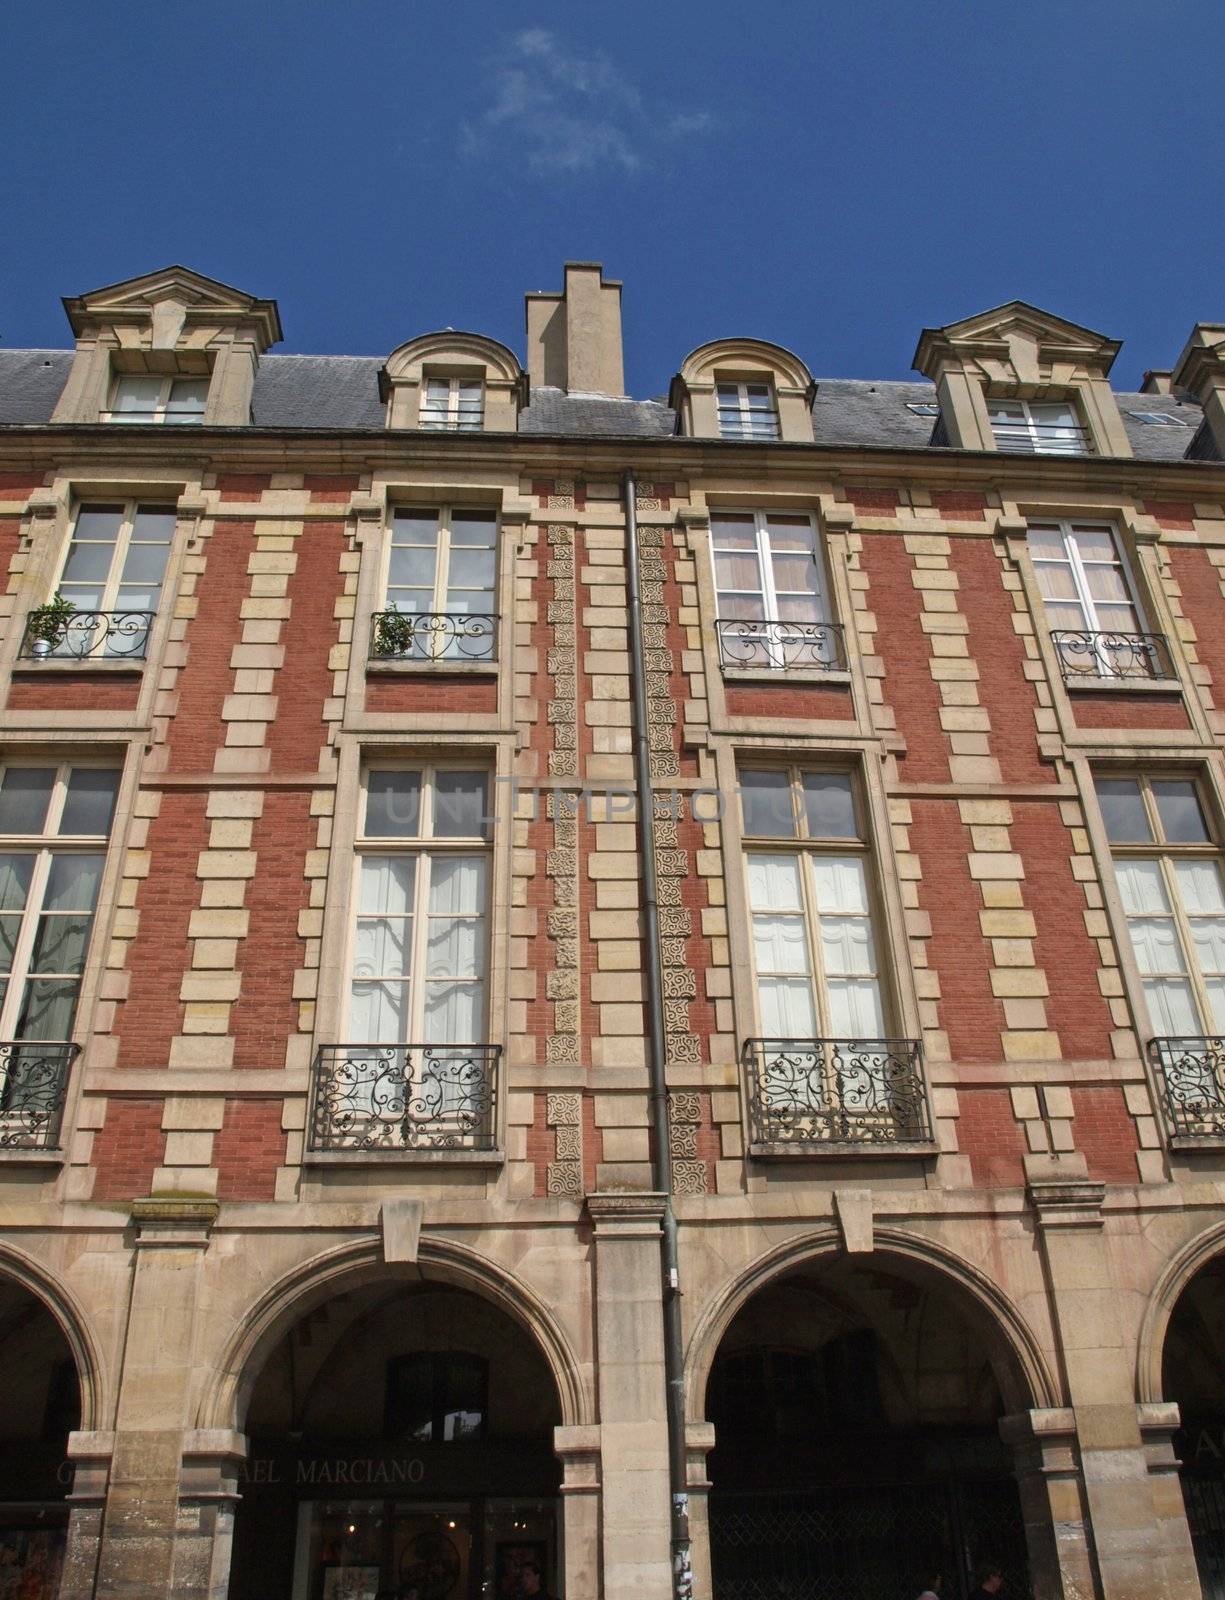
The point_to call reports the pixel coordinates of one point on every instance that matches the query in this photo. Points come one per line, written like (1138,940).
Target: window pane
(393,805)
(1141,887)
(846,947)
(48,1008)
(471,569)
(1178,806)
(855,1009)
(796,571)
(90,801)
(1056,581)
(473,528)
(736,569)
(15,872)
(412,566)
(378,1013)
(454,948)
(779,943)
(1123,810)
(145,563)
(842,884)
(1106,584)
(830,806)
(787,1009)
(59,944)
(137,392)
(415,527)
(72,882)
(774,883)
(457,886)
(1199,883)
(386,887)
(461,805)
(766,799)
(1046,542)
(382,947)
(1171,1004)
(454,1013)
(88,562)
(731,532)
(1155,942)
(1095,544)
(25,793)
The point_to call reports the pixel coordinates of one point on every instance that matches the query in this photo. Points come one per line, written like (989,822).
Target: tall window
(811,902)
(54,822)
(1168,868)
(1037,428)
(772,602)
(113,575)
(150,397)
(1089,601)
(441,583)
(420,958)
(747,411)
(453,405)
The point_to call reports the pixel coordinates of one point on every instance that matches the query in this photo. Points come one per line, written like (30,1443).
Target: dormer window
(150,397)
(747,411)
(1037,428)
(453,405)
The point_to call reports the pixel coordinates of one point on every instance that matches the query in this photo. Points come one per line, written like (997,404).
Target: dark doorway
(1193,1375)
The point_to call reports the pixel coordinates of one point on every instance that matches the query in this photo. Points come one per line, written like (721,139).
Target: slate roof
(336,392)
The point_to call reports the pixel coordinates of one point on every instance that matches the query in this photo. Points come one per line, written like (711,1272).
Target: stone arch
(1026,1379)
(352,1265)
(71,1319)
(1175,1277)
(751,355)
(449,345)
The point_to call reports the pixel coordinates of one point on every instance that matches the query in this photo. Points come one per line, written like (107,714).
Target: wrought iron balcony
(33,1087)
(446,636)
(1112,655)
(1191,1078)
(1024,438)
(405,1097)
(92,636)
(818,1092)
(747,642)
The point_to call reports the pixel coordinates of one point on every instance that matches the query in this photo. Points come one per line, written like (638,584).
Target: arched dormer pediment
(428,382)
(1017,352)
(166,325)
(732,388)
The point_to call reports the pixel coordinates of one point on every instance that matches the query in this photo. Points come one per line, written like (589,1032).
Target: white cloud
(565,112)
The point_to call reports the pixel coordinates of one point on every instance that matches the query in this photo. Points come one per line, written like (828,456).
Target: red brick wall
(266,1013)
(196,729)
(242,485)
(248,1148)
(991,1136)
(1204,606)
(814,701)
(1105,1132)
(999,654)
(305,679)
(959,505)
(335,489)
(872,502)
(1172,513)
(128,1148)
(160,954)
(969,1012)
(901,642)
(428,693)
(75,691)
(1063,948)
(1121,710)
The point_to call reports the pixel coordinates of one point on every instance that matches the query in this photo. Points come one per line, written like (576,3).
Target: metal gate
(868,1542)
(1205,1502)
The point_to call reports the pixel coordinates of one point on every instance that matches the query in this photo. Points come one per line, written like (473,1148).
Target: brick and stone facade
(183,1228)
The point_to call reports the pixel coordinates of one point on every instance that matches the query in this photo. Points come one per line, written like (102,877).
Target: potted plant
(393,633)
(46,625)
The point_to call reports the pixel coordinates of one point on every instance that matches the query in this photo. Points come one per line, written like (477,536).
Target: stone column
(140,1526)
(699,1442)
(635,1531)
(1141,1553)
(208,1494)
(1057,1537)
(90,1454)
(578,1449)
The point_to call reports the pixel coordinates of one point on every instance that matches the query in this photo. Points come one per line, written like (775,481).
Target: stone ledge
(785,676)
(403,1158)
(899,1149)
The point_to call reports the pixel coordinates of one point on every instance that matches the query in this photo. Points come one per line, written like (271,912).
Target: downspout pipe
(674,1360)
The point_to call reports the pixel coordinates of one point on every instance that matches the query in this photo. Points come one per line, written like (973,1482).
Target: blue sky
(832,177)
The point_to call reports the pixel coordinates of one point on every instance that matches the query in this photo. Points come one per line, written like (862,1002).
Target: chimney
(1200,371)
(574,338)
(1158,383)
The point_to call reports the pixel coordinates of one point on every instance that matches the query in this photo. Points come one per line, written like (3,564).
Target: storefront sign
(346,1472)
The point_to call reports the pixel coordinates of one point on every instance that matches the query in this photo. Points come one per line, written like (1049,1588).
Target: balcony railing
(1042,438)
(405,1097)
(818,1092)
(1191,1078)
(747,642)
(449,636)
(1112,655)
(93,636)
(33,1087)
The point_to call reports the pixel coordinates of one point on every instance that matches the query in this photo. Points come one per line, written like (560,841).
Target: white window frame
(44,846)
(737,416)
(453,416)
(1165,853)
(765,561)
(1067,527)
(114,581)
(1030,426)
(424,847)
(441,645)
(805,848)
(162,409)
(1104,657)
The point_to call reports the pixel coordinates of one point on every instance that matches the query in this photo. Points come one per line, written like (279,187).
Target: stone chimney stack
(574,338)
(1157,382)
(1201,371)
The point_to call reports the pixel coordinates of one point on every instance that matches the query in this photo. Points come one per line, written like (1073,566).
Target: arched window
(744,389)
(437,1397)
(453,383)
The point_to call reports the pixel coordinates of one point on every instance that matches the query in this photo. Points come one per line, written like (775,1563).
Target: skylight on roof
(1158,419)
(923,408)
